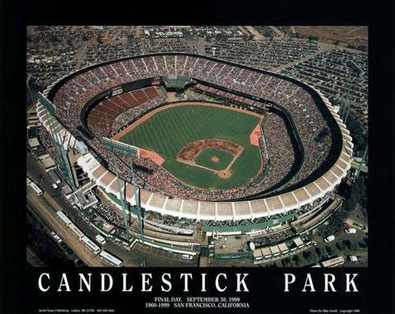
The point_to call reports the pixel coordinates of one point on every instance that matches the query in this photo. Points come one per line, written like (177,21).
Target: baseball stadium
(185,148)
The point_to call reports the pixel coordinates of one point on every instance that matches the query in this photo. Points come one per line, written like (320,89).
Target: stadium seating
(110,116)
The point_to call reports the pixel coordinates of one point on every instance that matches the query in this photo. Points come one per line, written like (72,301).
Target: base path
(155,157)
(188,154)
(224,174)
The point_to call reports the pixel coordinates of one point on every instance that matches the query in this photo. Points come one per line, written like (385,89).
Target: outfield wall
(326,181)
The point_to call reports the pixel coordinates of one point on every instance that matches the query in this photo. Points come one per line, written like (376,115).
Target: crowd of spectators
(341,74)
(177,225)
(265,236)
(108,117)
(106,210)
(127,117)
(279,147)
(308,120)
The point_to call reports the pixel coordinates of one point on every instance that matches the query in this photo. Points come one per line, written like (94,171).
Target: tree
(358,134)
(329,250)
(285,262)
(335,223)
(362,245)
(347,243)
(357,194)
(310,256)
(296,260)
(313,257)
(353,246)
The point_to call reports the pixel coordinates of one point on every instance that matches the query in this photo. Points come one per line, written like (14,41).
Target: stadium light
(122,148)
(133,152)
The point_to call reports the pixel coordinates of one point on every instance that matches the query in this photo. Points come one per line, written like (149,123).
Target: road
(148,256)
(357,165)
(53,200)
(277,31)
(48,215)
(257,35)
(55,197)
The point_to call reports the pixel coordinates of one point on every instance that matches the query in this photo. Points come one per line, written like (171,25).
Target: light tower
(361,163)
(61,152)
(131,152)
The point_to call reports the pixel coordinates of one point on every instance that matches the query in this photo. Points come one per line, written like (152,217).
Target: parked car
(350,230)
(329,238)
(186,257)
(56,237)
(101,239)
(78,262)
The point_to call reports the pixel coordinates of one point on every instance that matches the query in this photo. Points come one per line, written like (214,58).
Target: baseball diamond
(205,131)
(304,149)
(211,146)
(214,158)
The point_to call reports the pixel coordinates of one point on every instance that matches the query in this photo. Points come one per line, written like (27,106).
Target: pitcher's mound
(214,159)
(224,174)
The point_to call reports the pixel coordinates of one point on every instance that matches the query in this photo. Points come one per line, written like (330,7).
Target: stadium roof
(211,210)
(200,210)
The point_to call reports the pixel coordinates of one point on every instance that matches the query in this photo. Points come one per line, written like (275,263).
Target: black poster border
(19,288)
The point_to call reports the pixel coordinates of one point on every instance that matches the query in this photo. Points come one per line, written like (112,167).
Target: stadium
(196,147)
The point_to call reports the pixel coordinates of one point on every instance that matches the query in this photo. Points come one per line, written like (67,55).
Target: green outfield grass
(168,131)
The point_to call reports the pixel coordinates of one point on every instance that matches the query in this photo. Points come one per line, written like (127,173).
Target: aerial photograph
(197,146)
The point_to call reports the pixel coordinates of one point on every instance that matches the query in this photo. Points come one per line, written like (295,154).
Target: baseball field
(201,143)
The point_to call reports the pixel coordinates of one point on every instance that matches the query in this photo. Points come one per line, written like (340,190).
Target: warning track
(174,134)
